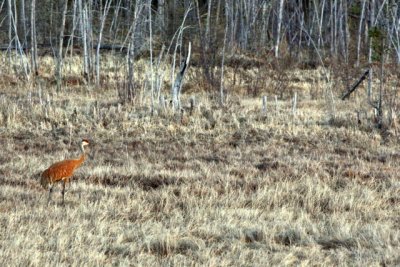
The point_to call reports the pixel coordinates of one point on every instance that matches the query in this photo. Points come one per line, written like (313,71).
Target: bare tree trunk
(128,11)
(360,32)
(161,15)
(218,13)
(340,29)
(89,36)
(151,59)
(221,87)
(320,36)
(394,34)
(264,31)
(278,28)
(175,90)
(13,26)
(102,21)
(83,18)
(379,105)
(346,33)
(207,33)
(334,28)
(172,16)
(302,26)
(372,19)
(331,26)
(207,63)
(160,76)
(179,80)
(34,56)
(59,67)
(115,22)
(22,22)
(10,27)
(74,23)
(131,53)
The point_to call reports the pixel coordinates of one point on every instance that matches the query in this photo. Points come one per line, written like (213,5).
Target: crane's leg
(63,192)
(50,191)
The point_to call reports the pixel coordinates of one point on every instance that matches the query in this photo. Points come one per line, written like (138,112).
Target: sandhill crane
(62,171)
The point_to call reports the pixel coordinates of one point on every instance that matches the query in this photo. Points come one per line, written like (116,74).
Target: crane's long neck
(83,154)
(83,149)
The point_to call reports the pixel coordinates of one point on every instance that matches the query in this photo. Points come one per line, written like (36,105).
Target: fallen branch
(355,85)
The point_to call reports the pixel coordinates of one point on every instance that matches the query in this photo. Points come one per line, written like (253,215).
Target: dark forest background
(349,36)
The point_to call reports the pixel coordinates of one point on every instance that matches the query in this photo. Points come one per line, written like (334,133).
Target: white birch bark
(34,56)
(59,67)
(102,21)
(278,28)
(360,27)
(221,87)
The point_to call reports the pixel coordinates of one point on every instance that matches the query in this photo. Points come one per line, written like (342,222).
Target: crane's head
(84,143)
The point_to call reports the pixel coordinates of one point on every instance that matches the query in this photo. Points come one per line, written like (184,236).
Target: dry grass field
(222,187)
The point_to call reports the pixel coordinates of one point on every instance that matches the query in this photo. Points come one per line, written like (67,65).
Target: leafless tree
(131,93)
(34,55)
(278,27)
(102,22)
(59,67)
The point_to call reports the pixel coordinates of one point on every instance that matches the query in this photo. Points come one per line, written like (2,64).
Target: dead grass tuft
(146,182)
(335,243)
(167,247)
(159,247)
(289,237)
(253,235)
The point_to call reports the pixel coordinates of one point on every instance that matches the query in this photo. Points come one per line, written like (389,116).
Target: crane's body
(62,171)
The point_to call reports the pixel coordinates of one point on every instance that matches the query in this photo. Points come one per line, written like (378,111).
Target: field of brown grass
(223,187)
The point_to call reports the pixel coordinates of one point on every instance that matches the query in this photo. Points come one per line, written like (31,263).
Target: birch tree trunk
(333,27)
(15,27)
(207,33)
(346,38)
(360,27)
(278,28)
(102,21)
(131,53)
(22,22)
(372,19)
(34,56)
(10,31)
(341,44)
(83,26)
(320,36)
(59,67)
(207,62)
(221,87)
(75,18)
(151,59)
(179,81)
(161,15)
(394,35)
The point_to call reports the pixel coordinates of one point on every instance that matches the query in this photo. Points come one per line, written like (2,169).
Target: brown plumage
(62,171)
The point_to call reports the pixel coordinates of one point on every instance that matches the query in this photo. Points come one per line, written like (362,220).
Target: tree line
(355,32)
